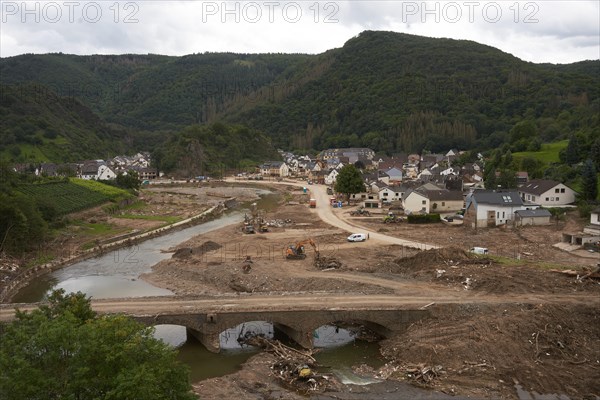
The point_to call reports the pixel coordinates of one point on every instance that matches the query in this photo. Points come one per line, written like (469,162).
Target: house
(432,201)
(89,170)
(105,173)
(274,168)
(391,193)
(547,193)
(522,177)
(395,175)
(487,208)
(532,217)
(331,177)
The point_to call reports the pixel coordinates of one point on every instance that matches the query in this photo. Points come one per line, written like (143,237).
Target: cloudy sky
(537,31)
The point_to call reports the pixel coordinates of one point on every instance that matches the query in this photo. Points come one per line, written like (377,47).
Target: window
(443,203)
(503,215)
(551,198)
(557,199)
(385,194)
(532,198)
(557,190)
(562,190)
(547,199)
(498,216)
(424,202)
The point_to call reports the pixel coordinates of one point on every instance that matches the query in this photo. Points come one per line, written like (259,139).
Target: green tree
(65,351)
(349,181)
(590,180)
(131,180)
(507,179)
(21,223)
(571,155)
(490,180)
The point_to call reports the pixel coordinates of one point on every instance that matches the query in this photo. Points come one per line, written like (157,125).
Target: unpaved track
(301,302)
(325,212)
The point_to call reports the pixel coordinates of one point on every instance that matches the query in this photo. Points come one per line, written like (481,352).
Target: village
(394,188)
(412,184)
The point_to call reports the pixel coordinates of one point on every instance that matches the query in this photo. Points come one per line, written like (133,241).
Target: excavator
(297,252)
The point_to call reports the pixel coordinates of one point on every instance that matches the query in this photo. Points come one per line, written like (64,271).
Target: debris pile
(205,247)
(279,223)
(324,262)
(295,368)
(593,273)
(423,373)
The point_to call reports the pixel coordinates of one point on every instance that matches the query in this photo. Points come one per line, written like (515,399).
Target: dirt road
(327,215)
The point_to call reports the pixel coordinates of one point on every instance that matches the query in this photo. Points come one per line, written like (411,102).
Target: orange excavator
(297,252)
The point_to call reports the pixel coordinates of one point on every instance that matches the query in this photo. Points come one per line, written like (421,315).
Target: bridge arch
(297,325)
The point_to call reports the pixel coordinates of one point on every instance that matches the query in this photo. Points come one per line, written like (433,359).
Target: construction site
(522,320)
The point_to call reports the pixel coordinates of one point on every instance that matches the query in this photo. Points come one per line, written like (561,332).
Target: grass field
(548,154)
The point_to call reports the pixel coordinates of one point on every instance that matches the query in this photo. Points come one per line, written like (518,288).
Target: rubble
(324,262)
(296,369)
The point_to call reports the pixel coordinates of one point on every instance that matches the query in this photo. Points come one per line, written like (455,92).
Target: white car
(357,237)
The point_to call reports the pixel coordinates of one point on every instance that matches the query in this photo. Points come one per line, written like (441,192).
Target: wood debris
(295,368)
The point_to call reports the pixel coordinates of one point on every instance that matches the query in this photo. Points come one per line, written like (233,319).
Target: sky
(536,31)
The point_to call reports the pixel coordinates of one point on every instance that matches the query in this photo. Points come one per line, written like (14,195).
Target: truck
(313,203)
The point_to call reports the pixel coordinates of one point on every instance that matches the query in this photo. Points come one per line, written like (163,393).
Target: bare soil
(483,349)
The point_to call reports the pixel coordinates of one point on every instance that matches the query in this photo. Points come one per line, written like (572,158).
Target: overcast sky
(538,31)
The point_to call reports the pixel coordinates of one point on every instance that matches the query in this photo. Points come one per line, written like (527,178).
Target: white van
(357,237)
(479,250)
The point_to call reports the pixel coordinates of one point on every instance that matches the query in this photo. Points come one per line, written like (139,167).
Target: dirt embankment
(484,350)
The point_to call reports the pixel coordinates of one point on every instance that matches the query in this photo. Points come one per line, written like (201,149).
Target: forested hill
(39,125)
(389,91)
(398,92)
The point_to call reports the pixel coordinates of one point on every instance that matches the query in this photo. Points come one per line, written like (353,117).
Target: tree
(65,351)
(590,180)
(507,179)
(130,180)
(571,155)
(349,181)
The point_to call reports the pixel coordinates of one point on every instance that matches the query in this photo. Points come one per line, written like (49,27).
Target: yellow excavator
(297,252)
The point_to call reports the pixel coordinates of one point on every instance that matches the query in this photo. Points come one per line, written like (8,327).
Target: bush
(423,219)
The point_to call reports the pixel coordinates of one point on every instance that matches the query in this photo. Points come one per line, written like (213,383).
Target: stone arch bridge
(297,325)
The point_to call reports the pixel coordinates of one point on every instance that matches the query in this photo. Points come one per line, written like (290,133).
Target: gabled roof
(447,195)
(497,198)
(393,171)
(538,186)
(540,212)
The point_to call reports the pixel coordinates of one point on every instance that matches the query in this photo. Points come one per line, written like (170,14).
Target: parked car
(357,237)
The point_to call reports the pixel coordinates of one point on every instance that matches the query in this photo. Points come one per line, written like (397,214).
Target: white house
(390,193)
(331,177)
(415,202)
(487,208)
(547,193)
(105,173)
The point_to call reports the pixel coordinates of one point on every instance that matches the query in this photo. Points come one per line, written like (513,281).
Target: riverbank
(19,281)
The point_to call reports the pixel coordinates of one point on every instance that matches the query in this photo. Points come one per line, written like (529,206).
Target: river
(116,274)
